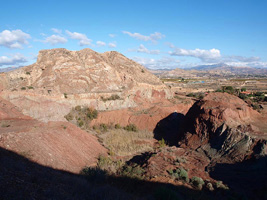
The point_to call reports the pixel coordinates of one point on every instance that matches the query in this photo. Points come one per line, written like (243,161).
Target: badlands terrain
(88,125)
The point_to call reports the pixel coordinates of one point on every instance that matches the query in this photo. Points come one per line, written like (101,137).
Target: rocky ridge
(62,79)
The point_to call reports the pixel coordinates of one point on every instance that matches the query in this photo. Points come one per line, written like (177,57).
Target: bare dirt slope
(60,145)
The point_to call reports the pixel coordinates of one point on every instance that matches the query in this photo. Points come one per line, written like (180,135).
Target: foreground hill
(60,145)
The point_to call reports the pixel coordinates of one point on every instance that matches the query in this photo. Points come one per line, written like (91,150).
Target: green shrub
(131,127)
(28,73)
(81,123)
(132,171)
(103,127)
(218,90)
(91,113)
(111,98)
(197,182)
(117,126)
(190,95)
(243,89)
(69,117)
(162,143)
(30,87)
(78,108)
(23,88)
(242,96)
(228,89)
(65,95)
(220,185)
(183,175)
(107,164)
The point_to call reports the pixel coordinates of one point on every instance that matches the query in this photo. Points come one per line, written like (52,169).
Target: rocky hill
(225,128)
(62,79)
(77,72)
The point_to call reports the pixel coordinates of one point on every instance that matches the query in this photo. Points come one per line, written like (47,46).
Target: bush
(220,185)
(28,73)
(242,96)
(23,88)
(111,98)
(179,174)
(94,174)
(162,143)
(30,87)
(197,182)
(131,127)
(107,164)
(183,175)
(91,113)
(65,95)
(103,127)
(78,108)
(69,117)
(133,171)
(81,123)
(218,90)
(243,89)
(117,126)
(190,95)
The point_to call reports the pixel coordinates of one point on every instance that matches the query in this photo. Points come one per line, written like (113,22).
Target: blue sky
(155,33)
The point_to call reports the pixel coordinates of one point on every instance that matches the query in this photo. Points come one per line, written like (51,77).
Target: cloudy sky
(155,33)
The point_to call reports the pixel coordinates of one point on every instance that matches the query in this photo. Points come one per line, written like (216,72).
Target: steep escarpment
(225,128)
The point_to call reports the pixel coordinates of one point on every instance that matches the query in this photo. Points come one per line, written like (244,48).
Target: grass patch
(124,143)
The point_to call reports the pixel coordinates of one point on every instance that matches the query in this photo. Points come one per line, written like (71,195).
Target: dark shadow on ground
(168,128)
(248,178)
(21,178)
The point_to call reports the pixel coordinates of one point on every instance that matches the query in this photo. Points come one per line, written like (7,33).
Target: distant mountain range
(7,69)
(216,70)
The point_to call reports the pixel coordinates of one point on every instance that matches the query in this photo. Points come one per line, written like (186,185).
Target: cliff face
(225,128)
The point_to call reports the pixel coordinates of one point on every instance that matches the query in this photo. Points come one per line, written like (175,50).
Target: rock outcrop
(225,128)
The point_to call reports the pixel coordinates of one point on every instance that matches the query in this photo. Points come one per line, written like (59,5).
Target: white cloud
(211,55)
(112,45)
(152,37)
(143,49)
(14,39)
(100,43)
(83,39)
(164,62)
(55,30)
(112,35)
(15,59)
(241,58)
(55,39)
